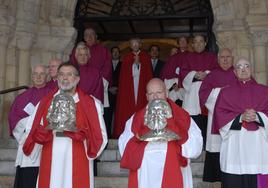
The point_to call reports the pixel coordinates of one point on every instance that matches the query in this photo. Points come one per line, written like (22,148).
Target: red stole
(125,98)
(134,151)
(86,117)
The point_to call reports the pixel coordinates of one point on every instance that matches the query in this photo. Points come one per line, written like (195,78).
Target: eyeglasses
(68,74)
(242,66)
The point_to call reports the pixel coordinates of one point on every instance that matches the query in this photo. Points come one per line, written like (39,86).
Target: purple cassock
(262,181)
(32,95)
(234,100)
(91,81)
(194,61)
(52,84)
(172,66)
(100,59)
(217,78)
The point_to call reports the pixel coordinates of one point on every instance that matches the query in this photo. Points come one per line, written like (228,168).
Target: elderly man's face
(199,44)
(135,45)
(82,56)
(90,37)
(225,59)
(242,70)
(67,78)
(39,76)
(53,68)
(155,91)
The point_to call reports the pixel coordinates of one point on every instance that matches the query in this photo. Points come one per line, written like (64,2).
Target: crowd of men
(216,106)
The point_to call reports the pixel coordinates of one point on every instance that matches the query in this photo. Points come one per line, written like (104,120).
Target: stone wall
(31,32)
(34,31)
(243,27)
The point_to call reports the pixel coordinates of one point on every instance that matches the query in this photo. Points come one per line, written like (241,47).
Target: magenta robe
(91,81)
(232,101)
(100,59)
(217,78)
(194,61)
(16,113)
(52,84)
(172,63)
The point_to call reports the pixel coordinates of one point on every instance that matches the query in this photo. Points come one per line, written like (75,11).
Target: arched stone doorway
(156,22)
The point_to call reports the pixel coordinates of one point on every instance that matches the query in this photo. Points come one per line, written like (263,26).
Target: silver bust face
(156,115)
(62,113)
(157,112)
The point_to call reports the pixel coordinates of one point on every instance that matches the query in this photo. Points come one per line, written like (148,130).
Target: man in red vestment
(160,164)
(67,157)
(136,71)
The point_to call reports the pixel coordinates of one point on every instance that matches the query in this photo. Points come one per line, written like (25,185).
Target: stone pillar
(260,57)
(23,42)
(5,30)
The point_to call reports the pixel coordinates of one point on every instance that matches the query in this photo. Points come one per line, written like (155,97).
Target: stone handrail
(13,89)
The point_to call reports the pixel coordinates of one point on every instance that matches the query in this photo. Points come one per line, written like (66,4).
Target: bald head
(225,58)
(155,89)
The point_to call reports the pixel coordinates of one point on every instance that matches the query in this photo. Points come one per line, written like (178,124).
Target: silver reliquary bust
(62,113)
(156,115)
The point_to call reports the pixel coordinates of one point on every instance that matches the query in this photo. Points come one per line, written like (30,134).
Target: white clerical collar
(115,62)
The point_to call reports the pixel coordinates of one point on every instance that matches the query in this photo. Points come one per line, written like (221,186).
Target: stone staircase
(108,175)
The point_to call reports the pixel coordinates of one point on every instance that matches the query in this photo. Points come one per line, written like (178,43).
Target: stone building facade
(37,30)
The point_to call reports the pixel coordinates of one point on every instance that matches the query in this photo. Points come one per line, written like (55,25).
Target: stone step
(114,155)
(8,154)
(111,182)
(8,143)
(6,181)
(122,182)
(113,169)
(7,168)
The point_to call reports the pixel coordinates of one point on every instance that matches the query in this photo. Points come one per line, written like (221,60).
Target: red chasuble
(133,154)
(125,99)
(87,119)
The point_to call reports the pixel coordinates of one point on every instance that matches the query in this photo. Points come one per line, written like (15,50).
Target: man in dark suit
(112,92)
(156,63)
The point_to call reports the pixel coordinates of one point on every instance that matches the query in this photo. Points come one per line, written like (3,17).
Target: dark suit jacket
(158,68)
(116,73)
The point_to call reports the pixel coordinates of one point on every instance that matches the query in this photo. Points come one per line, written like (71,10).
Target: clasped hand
(249,115)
